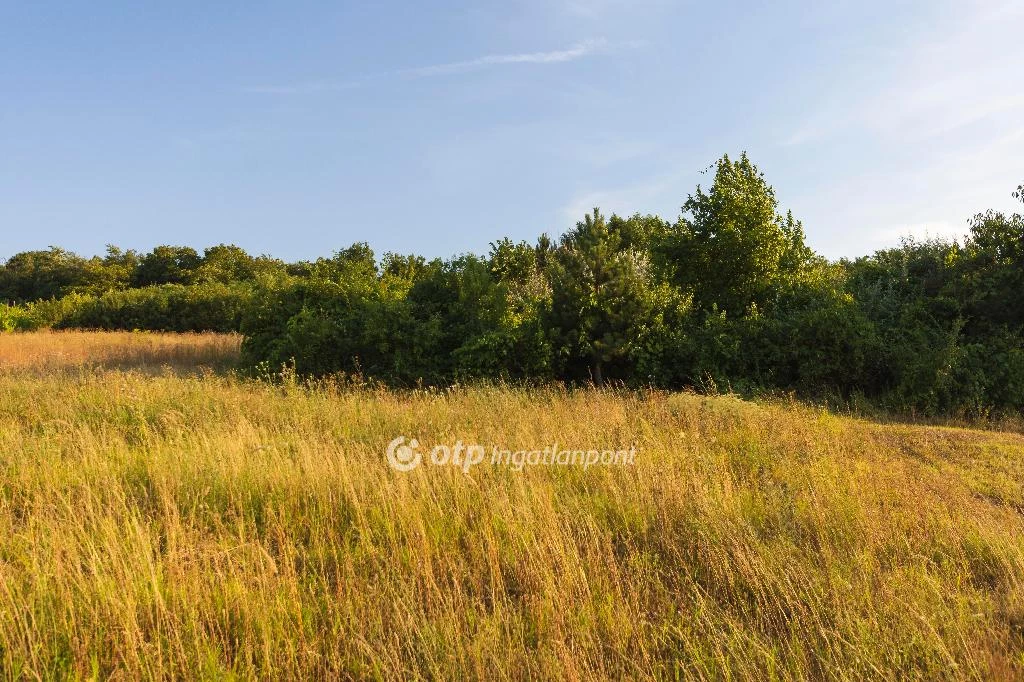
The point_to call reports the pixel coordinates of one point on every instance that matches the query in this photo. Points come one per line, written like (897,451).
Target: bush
(170,307)
(176,308)
(728,297)
(16,318)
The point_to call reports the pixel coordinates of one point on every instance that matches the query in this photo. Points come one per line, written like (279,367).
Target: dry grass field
(47,351)
(157,522)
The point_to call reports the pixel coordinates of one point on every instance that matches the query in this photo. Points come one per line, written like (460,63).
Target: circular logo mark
(403,457)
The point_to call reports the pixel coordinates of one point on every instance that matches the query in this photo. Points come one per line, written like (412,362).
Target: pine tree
(601,294)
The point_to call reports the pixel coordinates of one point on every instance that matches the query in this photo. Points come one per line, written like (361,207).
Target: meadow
(164,517)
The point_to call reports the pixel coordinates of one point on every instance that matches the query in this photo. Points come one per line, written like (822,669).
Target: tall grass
(159,525)
(48,351)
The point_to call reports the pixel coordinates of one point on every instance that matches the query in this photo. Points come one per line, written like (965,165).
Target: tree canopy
(727,296)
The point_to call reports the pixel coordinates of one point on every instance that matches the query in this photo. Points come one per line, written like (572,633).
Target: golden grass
(145,351)
(208,527)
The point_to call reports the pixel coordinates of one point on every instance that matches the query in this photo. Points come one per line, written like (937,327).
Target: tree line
(727,296)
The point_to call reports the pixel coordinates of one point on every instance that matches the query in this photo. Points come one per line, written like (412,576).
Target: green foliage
(407,323)
(993,269)
(167,265)
(169,307)
(227,264)
(734,250)
(34,275)
(40,275)
(728,297)
(603,295)
(950,319)
(114,271)
(14,318)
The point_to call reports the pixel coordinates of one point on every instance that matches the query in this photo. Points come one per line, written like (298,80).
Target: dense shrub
(16,318)
(728,297)
(171,307)
(43,275)
(208,307)
(435,323)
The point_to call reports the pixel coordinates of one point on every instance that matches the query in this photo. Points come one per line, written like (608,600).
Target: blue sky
(298,128)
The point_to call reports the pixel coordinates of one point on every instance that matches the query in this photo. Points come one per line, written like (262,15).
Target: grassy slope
(160,525)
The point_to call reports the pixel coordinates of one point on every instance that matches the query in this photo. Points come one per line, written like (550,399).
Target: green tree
(731,248)
(167,265)
(510,340)
(993,266)
(34,275)
(602,296)
(99,275)
(227,263)
(356,263)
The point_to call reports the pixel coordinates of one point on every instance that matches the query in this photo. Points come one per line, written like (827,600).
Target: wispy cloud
(957,74)
(575,52)
(580,50)
(302,88)
(916,138)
